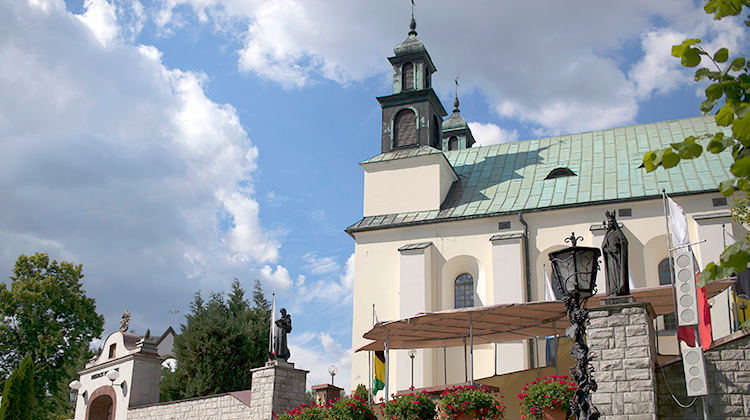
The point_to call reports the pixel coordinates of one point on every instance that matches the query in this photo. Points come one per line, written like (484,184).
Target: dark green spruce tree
(221,340)
(18,393)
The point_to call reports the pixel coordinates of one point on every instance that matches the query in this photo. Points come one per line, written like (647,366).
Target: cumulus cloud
(277,277)
(320,265)
(557,69)
(111,159)
(317,351)
(486,134)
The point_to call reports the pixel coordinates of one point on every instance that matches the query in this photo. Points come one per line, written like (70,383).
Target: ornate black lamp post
(575,269)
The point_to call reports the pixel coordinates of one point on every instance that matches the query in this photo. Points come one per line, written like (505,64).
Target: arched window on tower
(453,143)
(463,289)
(670,321)
(435,142)
(407,76)
(405,128)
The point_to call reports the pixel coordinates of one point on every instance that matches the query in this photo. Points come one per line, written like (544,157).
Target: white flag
(374,316)
(631,282)
(678,224)
(549,293)
(274,330)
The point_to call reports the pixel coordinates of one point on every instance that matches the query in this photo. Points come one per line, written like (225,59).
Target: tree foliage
(728,96)
(222,339)
(18,393)
(44,313)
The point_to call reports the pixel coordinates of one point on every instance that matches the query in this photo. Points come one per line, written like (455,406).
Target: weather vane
(412,9)
(456,81)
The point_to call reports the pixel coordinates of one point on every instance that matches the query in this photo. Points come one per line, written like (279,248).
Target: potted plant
(470,402)
(410,407)
(354,408)
(547,398)
(304,411)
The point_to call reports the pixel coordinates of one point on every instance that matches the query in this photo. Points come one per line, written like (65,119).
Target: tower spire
(455,100)
(413,23)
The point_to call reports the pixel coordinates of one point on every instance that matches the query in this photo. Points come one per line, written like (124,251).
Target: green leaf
(735,257)
(719,143)
(714,92)
(691,57)
(725,116)
(712,272)
(701,73)
(679,50)
(741,167)
(738,63)
(650,162)
(707,106)
(741,129)
(743,184)
(722,55)
(687,148)
(670,159)
(726,188)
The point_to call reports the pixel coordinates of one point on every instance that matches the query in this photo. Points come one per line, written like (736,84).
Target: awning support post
(387,366)
(471,348)
(445,366)
(466,366)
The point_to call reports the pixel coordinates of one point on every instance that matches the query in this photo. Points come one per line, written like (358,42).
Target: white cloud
(278,277)
(318,351)
(486,134)
(320,265)
(347,279)
(137,160)
(558,68)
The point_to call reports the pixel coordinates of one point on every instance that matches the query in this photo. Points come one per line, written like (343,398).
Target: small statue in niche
(285,327)
(125,322)
(615,252)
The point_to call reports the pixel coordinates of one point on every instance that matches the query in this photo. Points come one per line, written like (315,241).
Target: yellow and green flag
(379,372)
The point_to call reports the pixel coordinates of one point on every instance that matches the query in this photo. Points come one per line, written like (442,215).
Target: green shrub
(470,400)
(354,408)
(551,391)
(306,412)
(18,392)
(410,407)
(361,392)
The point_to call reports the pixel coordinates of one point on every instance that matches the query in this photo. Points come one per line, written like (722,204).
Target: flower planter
(553,413)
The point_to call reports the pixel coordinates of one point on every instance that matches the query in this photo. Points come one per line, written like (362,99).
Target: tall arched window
(405,128)
(435,132)
(670,321)
(464,291)
(453,143)
(407,76)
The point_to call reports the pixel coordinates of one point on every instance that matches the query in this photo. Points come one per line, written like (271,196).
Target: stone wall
(277,386)
(220,406)
(621,342)
(728,374)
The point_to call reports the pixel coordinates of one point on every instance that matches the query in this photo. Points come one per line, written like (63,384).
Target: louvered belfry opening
(407,76)
(405,125)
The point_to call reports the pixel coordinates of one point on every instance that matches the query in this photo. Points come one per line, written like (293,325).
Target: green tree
(218,345)
(728,94)
(44,313)
(18,393)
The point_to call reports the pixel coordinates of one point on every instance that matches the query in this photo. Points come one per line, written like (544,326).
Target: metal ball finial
(455,104)
(413,26)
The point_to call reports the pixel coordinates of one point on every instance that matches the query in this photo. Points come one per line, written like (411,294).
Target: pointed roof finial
(413,23)
(455,101)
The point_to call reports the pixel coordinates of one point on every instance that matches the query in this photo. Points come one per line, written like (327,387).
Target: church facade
(448,225)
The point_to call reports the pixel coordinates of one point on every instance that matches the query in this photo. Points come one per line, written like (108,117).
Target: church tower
(456,133)
(412,115)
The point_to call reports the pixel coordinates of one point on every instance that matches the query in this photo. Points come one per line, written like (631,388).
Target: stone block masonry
(728,374)
(622,344)
(277,386)
(221,406)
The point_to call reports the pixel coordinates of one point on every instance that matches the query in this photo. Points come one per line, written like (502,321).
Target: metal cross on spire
(412,9)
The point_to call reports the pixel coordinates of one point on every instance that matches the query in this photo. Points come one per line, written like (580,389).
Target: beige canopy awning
(500,323)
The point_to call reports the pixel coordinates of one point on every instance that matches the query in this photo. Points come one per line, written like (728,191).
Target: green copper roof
(510,177)
(404,153)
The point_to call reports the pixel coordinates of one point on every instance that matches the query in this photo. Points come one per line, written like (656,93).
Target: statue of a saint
(615,251)
(125,321)
(285,327)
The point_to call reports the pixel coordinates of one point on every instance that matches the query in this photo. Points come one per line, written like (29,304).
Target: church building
(447,224)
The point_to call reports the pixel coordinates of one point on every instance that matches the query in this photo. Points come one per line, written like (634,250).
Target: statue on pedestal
(615,252)
(125,322)
(285,327)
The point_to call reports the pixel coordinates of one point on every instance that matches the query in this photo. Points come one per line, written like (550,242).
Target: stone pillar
(277,386)
(325,393)
(622,343)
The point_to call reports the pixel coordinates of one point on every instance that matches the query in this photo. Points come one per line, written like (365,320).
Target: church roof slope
(510,177)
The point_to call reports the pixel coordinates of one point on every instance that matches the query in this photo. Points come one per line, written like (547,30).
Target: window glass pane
(464,291)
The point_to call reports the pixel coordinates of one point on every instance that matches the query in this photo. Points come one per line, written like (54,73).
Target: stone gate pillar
(277,386)
(621,340)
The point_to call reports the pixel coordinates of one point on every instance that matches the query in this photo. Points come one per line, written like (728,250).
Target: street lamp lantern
(575,269)
(412,353)
(332,372)
(74,387)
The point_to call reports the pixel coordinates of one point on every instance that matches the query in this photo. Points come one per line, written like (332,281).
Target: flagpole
(669,257)
(271,330)
(369,363)
(387,366)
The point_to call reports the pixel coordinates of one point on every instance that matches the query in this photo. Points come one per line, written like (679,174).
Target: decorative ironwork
(581,372)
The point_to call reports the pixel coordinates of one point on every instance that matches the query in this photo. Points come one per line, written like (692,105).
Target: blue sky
(171,146)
